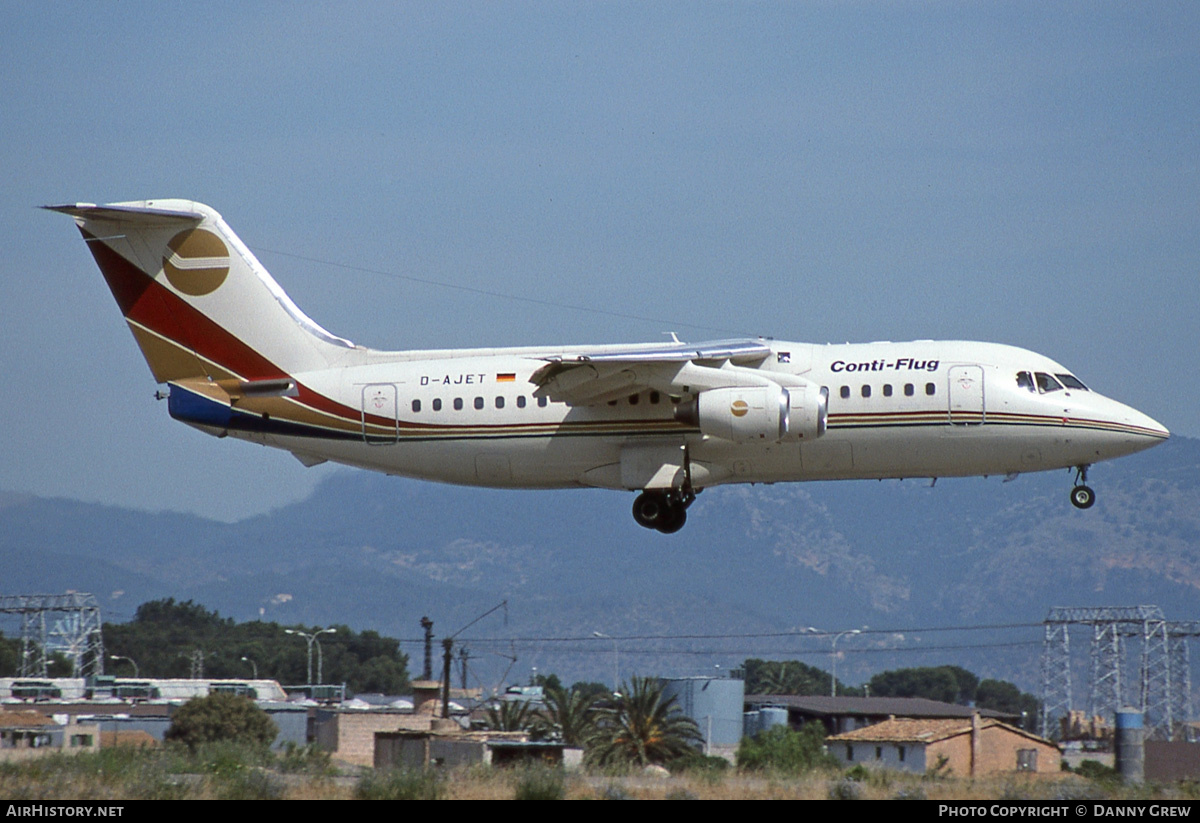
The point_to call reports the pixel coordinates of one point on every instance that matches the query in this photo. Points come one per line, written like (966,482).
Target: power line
(537,301)
(793,633)
(581,650)
(595,650)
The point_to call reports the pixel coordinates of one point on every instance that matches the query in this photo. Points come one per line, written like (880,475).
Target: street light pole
(311,638)
(116,657)
(252,663)
(833,654)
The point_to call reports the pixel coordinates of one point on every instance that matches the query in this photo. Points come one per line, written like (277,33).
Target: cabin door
(966,395)
(380,413)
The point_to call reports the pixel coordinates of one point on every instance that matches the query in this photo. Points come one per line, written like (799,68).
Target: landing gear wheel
(674,516)
(1082,497)
(649,509)
(663,511)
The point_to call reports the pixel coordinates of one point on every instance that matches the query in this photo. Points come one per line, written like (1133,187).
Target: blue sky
(1025,173)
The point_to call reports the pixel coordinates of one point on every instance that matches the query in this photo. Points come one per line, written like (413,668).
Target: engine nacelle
(749,414)
(808,412)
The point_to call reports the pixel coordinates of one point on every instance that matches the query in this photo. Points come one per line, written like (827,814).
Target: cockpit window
(1047,383)
(1071,382)
(1025,380)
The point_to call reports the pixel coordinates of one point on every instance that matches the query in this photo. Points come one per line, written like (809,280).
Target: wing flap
(593,378)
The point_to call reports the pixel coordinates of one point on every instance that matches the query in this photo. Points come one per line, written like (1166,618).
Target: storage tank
(715,703)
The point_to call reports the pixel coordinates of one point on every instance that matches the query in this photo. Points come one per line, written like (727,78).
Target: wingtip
(69,208)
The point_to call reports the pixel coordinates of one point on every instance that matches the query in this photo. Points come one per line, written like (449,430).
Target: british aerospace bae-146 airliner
(242,360)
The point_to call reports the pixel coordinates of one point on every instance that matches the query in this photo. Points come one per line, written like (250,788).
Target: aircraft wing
(589,379)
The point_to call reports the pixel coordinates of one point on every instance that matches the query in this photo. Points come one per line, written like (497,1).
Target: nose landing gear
(661,510)
(1082,497)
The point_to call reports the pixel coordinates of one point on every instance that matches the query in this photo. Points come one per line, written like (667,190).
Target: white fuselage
(917,409)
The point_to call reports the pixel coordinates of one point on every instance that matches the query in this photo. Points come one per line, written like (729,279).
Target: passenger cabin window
(654,397)
(479,402)
(930,389)
(866,391)
(909,391)
(458,404)
(887,389)
(1025,380)
(416,405)
(521,401)
(1046,383)
(542,402)
(633,399)
(845,392)
(437,404)
(499,402)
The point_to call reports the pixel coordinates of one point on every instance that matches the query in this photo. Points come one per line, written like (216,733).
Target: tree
(1002,696)
(788,677)
(784,750)
(569,716)
(592,689)
(547,681)
(10,656)
(221,717)
(639,726)
(511,716)
(949,684)
(163,634)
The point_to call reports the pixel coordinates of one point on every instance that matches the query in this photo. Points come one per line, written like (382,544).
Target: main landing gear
(662,510)
(1082,497)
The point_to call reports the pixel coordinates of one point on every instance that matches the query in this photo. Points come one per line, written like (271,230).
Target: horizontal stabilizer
(140,213)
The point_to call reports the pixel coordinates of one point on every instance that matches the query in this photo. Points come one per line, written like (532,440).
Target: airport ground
(225,773)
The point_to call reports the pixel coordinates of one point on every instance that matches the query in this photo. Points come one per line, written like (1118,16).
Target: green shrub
(310,760)
(845,789)
(400,784)
(251,784)
(783,750)
(539,783)
(697,764)
(614,792)
(681,794)
(221,718)
(1095,770)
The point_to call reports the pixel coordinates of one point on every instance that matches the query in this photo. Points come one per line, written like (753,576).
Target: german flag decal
(508,377)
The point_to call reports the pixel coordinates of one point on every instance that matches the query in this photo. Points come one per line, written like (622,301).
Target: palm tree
(779,678)
(511,716)
(569,716)
(638,726)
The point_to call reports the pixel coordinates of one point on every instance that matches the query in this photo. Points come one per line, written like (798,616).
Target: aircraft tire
(673,519)
(1082,497)
(649,509)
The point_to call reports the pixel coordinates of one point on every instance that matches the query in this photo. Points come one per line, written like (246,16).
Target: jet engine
(748,414)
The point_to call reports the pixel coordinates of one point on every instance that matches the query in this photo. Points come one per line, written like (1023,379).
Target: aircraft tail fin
(199,303)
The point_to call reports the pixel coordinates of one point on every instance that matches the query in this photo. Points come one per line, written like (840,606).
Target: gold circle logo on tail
(739,408)
(197,262)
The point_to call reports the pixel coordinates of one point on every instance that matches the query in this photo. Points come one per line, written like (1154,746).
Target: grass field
(236,773)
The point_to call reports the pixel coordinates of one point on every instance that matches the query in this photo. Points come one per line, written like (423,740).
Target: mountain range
(754,568)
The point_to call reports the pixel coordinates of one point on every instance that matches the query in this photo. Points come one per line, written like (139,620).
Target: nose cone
(1151,426)
(1138,431)
(1145,425)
